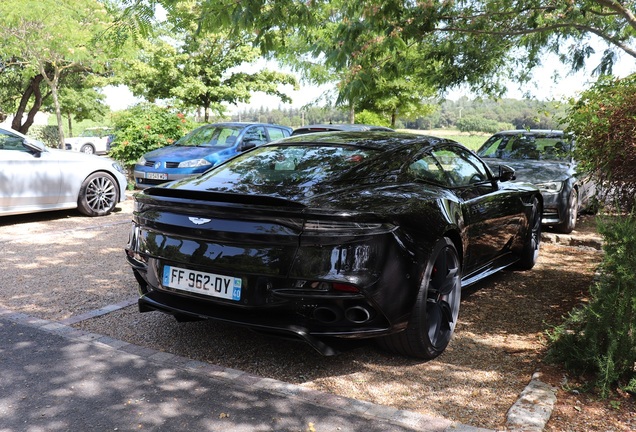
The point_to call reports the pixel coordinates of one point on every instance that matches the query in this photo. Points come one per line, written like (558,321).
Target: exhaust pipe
(327,315)
(357,315)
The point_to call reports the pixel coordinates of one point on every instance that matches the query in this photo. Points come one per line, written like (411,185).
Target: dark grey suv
(544,158)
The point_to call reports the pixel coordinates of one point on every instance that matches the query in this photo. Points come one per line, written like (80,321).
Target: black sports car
(334,235)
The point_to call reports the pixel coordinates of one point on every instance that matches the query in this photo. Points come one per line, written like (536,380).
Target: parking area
(64,267)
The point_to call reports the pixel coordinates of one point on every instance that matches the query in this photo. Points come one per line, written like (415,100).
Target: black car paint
(260,238)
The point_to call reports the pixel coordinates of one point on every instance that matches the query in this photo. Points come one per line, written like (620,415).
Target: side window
(427,168)
(275,133)
(461,166)
(255,136)
(11,142)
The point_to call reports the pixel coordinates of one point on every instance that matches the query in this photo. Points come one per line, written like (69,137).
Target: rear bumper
(272,322)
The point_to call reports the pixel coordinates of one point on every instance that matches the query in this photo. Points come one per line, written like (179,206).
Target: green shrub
(603,121)
(49,135)
(480,124)
(600,337)
(143,128)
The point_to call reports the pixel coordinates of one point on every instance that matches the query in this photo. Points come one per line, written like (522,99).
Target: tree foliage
(478,43)
(480,124)
(604,123)
(43,47)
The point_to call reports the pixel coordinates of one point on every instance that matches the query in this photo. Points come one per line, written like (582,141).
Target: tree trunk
(352,114)
(33,89)
(393,119)
(53,82)
(70,124)
(58,114)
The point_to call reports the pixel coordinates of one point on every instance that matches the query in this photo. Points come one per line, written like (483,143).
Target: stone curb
(534,407)
(592,241)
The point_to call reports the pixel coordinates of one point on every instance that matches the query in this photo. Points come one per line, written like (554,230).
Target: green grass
(473,142)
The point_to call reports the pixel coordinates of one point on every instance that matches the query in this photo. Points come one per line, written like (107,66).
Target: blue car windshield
(211,136)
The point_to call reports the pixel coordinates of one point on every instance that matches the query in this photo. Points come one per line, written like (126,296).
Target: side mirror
(506,173)
(248,145)
(36,148)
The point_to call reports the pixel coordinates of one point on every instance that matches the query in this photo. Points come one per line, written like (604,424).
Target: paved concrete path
(56,378)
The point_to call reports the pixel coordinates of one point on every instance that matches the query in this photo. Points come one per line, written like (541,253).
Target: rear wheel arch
(435,308)
(455,237)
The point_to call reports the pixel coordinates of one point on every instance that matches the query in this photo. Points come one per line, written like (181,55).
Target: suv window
(276,133)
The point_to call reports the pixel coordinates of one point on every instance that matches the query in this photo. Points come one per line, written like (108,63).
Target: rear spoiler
(221,197)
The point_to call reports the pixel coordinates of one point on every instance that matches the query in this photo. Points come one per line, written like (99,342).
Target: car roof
(13,131)
(531,132)
(376,140)
(323,127)
(244,124)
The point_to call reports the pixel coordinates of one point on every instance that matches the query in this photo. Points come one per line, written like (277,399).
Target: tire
(436,308)
(532,242)
(99,194)
(571,213)
(88,149)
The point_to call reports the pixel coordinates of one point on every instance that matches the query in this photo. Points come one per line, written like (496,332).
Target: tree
(199,68)
(603,121)
(81,104)
(49,45)
(478,43)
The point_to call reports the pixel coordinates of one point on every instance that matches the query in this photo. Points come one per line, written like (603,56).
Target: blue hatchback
(202,149)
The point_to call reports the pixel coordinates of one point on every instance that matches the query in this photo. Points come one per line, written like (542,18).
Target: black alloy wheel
(436,308)
(98,195)
(571,213)
(532,243)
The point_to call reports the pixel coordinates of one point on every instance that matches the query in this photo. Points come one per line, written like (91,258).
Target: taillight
(343,287)
(334,226)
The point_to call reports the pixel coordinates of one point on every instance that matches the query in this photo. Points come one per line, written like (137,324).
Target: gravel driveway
(64,267)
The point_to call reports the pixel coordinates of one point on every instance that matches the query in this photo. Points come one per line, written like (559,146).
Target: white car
(94,140)
(34,178)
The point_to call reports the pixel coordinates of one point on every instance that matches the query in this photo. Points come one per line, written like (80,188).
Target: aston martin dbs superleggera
(334,235)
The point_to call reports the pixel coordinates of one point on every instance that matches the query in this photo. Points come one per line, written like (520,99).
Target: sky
(542,87)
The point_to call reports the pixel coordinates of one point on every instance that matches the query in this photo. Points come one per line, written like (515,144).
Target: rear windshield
(524,146)
(210,136)
(288,165)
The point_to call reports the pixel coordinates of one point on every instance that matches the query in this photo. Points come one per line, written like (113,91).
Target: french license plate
(209,284)
(156,176)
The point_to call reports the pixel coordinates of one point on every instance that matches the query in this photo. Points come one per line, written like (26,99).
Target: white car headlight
(194,163)
(141,161)
(119,168)
(550,187)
